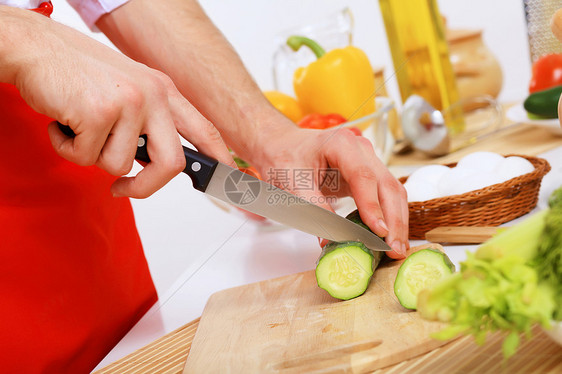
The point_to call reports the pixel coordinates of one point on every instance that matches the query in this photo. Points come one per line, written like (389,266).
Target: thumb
(62,144)
(82,149)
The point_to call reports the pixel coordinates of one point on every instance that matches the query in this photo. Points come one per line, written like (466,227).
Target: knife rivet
(196,166)
(141,142)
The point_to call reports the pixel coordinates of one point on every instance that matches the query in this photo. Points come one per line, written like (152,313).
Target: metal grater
(538,14)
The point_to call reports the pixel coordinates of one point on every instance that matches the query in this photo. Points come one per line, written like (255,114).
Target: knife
(249,193)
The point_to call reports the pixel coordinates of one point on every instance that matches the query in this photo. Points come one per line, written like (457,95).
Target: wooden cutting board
(289,325)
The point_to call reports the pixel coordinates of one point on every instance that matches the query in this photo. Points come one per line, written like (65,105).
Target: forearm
(17,25)
(177,38)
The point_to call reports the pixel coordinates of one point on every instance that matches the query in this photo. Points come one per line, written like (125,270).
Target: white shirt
(89,10)
(92,10)
(27,4)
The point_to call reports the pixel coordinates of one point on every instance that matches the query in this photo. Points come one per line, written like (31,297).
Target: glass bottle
(420,54)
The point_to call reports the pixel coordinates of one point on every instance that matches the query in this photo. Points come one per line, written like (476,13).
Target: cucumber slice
(356,218)
(345,269)
(420,270)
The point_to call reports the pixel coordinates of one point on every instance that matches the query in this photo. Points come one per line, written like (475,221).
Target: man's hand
(380,198)
(106,98)
(196,55)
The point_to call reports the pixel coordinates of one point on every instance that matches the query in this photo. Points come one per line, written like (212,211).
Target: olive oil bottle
(420,53)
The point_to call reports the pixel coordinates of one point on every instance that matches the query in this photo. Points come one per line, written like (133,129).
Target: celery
(510,283)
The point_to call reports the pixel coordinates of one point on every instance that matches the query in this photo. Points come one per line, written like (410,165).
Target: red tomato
(547,73)
(321,121)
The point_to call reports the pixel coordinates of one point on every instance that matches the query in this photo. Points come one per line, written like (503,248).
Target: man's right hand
(106,98)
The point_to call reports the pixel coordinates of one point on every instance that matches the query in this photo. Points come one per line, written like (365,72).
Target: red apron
(73,276)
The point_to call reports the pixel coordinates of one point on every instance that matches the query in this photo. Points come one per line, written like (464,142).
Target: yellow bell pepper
(339,81)
(286,104)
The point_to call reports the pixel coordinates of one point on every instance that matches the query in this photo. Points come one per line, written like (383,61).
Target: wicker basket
(489,206)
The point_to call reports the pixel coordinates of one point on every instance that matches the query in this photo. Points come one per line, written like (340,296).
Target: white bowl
(518,114)
(555,332)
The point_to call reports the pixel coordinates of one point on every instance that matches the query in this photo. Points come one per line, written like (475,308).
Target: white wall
(502,21)
(171,228)
(253,26)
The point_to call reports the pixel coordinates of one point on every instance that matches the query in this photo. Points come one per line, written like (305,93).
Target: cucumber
(345,269)
(356,218)
(536,116)
(420,270)
(544,103)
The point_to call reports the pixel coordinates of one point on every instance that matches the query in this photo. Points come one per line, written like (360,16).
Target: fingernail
(383,225)
(404,249)
(397,247)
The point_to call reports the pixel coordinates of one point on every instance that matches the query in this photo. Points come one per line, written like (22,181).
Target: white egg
(430,174)
(472,183)
(483,161)
(512,167)
(420,191)
(452,177)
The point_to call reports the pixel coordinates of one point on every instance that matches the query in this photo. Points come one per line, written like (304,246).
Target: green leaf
(510,344)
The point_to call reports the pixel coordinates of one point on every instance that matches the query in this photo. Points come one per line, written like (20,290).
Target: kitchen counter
(242,252)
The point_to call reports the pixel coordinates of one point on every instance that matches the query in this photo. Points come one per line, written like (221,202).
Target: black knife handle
(199,167)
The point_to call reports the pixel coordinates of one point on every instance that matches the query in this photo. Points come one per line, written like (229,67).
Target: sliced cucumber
(356,218)
(420,270)
(345,269)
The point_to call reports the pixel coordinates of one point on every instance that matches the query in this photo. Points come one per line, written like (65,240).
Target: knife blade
(254,195)
(247,192)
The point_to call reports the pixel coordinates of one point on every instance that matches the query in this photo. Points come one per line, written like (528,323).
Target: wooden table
(537,355)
